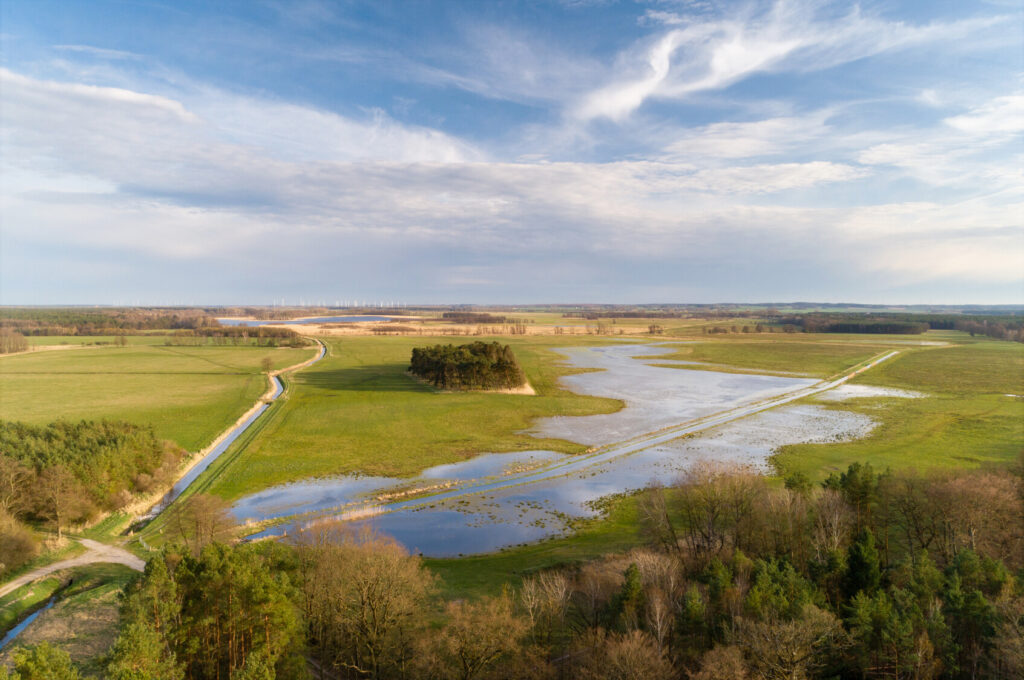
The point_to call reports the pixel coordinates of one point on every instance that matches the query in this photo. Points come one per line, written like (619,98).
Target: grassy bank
(188,394)
(617,531)
(778,355)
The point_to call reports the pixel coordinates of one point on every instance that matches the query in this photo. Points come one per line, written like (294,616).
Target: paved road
(97,552)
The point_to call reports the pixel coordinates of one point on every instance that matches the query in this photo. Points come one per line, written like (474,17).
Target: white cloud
(768,137)
(1002,114)
(968,150)
(101,52)
(788,36)
(217,177)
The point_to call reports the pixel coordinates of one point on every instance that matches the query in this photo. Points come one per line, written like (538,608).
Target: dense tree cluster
(472,317)
(64,473)
(76,321)
(12,341)
(262,336)
(868,576)
(226,613)
(475,366)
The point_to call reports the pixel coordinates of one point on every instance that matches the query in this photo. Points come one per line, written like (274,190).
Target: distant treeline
(285,313)
(856,323)
(64,473)
(475,366)
(1000,330)
(625,315)
(472,317)
(262,336)
(72,321)
(1002,327)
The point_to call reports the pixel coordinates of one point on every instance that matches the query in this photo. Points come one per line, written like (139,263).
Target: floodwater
(655,396)
(304,321)
(497,500)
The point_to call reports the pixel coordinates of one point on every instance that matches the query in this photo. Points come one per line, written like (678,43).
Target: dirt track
(97,552)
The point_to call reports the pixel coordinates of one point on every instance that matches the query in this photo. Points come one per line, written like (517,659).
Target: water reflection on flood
(655,397)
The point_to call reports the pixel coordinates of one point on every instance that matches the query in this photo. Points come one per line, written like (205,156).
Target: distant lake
(307,320)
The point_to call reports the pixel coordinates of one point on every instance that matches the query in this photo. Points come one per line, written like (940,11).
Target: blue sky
(576,151)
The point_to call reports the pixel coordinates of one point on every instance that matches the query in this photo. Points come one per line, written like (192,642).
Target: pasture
(188,394)
(972,413)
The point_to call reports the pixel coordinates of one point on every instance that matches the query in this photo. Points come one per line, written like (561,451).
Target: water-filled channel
(223,446)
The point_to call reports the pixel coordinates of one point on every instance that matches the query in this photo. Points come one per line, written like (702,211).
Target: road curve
(97,552)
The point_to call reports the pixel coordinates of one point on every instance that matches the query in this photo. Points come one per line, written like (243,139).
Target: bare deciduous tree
(478,636)
(202,519)
(362,595)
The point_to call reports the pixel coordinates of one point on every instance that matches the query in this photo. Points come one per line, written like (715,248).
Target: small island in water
(475,366)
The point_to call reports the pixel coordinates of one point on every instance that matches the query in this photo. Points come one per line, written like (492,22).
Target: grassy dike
(83,622)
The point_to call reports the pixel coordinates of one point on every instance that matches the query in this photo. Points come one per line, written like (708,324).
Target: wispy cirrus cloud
(100,52)
(702,55)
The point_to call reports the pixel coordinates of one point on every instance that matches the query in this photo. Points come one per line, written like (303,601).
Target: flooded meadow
(668,423)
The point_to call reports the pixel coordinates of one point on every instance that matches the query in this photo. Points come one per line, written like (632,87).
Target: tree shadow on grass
(377,378)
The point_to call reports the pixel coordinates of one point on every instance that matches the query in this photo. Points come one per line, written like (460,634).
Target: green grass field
(16,604)
(84,340)
(188,394)
(358,410)
(779,354)
(966,419)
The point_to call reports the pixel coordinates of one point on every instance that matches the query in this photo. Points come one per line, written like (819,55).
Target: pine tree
(863,567)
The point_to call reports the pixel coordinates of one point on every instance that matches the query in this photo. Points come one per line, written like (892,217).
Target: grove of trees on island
(475,366)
